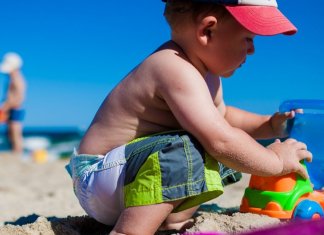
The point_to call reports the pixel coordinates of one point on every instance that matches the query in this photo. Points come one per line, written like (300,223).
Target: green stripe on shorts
(146,188)
(168,167)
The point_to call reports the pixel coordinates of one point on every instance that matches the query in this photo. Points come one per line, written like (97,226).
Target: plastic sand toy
(291,196)
(308,127)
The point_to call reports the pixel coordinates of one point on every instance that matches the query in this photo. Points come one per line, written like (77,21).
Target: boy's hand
(278,122)
(290,153)
(3,115)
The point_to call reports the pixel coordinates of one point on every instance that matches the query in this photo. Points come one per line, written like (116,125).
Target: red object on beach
(3,116)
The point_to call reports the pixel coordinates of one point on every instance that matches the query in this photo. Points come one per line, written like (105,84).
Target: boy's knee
(179,221)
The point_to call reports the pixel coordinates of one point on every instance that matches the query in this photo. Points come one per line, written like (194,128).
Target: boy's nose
(251,49)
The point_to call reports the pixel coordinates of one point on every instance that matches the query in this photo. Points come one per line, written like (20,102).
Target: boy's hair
(179,12)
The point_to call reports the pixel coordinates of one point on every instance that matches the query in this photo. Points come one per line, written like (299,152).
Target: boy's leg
(143,220)
(180,220)
(15,136)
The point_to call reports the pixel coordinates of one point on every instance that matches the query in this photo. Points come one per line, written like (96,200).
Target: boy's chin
(228,74)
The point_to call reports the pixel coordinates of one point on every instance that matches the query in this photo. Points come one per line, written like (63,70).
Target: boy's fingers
(301,145)
(302,172)
(290,140)
(308,156)
(290,114)
(299,110)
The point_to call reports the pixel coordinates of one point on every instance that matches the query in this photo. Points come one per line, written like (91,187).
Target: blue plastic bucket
(308,127)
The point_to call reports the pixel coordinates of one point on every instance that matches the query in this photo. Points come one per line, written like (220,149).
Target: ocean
(53,142)
(57,142)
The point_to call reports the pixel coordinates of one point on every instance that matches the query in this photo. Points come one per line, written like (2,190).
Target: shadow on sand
(85,225)
(81,225)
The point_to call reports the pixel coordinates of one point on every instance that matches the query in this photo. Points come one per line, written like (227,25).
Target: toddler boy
(158,145)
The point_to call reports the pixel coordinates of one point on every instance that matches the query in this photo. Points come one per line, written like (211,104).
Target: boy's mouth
(242,64)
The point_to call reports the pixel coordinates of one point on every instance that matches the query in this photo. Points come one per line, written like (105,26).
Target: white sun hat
(11,61)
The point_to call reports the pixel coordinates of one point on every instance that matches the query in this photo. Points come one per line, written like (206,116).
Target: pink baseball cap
(261,17)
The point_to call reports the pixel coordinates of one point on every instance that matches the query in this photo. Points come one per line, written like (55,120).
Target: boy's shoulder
(167,55)
(169,61)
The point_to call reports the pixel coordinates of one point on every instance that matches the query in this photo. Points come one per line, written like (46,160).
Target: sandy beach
(38,199)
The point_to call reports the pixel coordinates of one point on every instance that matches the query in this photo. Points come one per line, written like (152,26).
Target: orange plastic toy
(283,197)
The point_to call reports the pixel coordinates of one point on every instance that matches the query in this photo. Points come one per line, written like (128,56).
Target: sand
(38,199)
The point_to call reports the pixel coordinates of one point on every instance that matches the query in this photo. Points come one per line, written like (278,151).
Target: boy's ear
(205,29)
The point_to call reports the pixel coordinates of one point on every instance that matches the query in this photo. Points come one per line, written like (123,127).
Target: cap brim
(262,20)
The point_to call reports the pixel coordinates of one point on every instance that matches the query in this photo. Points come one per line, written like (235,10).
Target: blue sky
(76,51)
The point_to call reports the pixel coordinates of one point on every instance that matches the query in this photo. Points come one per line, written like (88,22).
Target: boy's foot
(171,228)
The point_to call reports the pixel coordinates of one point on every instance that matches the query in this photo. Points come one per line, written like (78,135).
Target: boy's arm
(186,93)
(6,104)
(16,92)
(258,126)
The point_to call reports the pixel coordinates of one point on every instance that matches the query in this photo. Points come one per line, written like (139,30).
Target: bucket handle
(289,105)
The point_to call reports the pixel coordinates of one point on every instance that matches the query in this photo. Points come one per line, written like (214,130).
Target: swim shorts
(149,170)
(16,115)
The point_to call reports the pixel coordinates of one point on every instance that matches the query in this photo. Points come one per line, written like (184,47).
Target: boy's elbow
(230,144)
(219,145)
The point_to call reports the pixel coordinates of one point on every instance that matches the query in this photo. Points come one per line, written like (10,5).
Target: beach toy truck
(291,196)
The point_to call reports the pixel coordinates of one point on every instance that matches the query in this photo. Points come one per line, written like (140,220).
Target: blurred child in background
(11,111)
